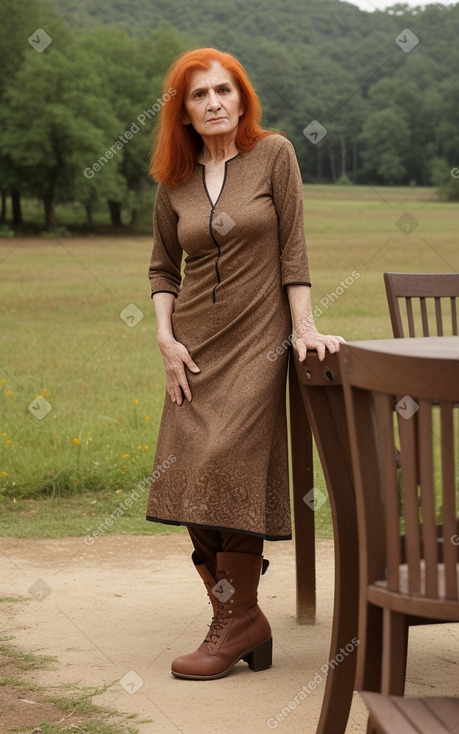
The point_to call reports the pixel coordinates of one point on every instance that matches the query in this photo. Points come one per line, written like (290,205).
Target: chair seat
(400,600)
(411,715)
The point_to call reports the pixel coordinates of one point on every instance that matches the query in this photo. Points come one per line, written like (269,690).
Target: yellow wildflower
(76,441)
(135,401)
(125,456)
(4,473)
(9,392)
(146,448)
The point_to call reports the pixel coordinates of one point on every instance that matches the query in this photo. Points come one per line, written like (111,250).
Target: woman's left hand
(312,339)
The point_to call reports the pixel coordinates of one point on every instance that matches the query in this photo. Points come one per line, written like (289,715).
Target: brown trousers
(207,543)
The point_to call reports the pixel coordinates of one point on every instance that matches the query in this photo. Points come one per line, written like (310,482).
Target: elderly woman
(230,196)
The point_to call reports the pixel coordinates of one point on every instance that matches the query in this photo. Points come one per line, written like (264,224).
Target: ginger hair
(175,146)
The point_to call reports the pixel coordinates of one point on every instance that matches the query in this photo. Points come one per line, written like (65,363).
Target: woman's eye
(224,89)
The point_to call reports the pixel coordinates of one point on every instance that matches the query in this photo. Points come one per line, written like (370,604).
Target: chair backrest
(407,499)
(430,305)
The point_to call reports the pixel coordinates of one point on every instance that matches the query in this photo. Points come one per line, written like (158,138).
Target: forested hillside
(383,86)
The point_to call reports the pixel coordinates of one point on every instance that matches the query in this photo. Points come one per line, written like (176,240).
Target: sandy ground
(119,612)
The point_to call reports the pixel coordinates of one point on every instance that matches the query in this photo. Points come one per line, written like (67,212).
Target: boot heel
(261,656)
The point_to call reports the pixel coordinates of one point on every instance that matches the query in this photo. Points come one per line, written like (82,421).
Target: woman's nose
(213,101)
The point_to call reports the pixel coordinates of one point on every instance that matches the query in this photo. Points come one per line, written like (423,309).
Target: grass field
(64,341)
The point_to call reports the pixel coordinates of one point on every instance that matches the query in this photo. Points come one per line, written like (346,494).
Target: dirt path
(123,608)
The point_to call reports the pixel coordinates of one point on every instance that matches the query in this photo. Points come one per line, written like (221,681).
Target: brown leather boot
(239,629)
(208,573)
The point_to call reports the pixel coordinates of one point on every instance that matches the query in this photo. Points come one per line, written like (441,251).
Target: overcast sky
(372,5)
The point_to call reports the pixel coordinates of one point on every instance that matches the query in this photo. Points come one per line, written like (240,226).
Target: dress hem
(218,528)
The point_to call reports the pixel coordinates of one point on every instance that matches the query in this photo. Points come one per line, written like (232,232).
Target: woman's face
(212,101)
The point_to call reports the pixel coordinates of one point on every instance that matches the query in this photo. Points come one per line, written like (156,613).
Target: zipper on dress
(217,271)
(212,211)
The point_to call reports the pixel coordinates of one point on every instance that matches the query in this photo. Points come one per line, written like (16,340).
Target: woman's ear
(185,119)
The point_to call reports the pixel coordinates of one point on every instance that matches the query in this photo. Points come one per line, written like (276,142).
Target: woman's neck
(217,148)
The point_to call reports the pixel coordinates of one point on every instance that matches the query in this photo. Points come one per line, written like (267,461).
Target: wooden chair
(407,515)
(392,714)
(430,307)
(302,483)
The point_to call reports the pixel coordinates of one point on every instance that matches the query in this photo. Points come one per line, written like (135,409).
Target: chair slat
(424,317)
(387,458)
(438,316)
(453,316)
(409,313)
(421,715)
(385,718)
(407,431)
(396,715)
(446,710)
(448,498)
(426,479)
(373,563)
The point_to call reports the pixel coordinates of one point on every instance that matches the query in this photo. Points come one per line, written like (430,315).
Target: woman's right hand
(175,357)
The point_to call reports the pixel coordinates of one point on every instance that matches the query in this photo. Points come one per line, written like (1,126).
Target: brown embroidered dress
(221,459)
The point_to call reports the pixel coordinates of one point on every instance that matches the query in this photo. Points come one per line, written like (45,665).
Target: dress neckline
(203,165)
(203,171)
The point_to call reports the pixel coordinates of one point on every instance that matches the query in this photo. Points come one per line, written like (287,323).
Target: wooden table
(323,400)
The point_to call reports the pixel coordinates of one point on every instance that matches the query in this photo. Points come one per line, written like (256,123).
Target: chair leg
(371,728)
(369,652)
(395,650)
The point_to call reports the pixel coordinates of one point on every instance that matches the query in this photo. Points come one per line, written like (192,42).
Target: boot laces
(216,626)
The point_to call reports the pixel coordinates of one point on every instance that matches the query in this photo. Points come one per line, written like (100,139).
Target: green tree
(55,118)
(18,22)
(131,74)
(385,138)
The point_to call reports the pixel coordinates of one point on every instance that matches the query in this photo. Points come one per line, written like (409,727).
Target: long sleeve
(166,258)
(287,189)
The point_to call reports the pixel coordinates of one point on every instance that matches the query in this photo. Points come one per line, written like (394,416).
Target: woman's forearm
(299,297)
(307,336)
(164,307)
